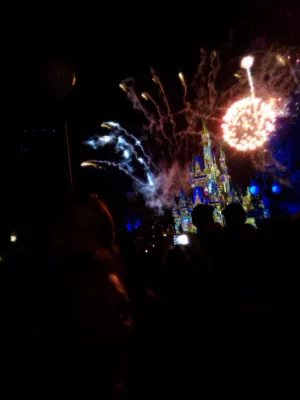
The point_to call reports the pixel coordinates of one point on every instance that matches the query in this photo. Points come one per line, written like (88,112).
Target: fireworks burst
(248,123)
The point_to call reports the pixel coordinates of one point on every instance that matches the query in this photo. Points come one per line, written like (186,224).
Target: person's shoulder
(176,251)
(217,228)
(250,227)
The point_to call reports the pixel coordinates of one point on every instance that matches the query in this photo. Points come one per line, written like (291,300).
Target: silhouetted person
(241,263)
(235,218)
(239,242)
(89,320)
(209,232)
(203,219)
(235,215)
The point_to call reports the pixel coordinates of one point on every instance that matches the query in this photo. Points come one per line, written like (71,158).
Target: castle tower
(223,161)
(210,184)
(197,173)
(206,143)
(182,196)
(224,172)
(211,168)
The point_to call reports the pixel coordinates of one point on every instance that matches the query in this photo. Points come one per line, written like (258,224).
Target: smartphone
(182,240)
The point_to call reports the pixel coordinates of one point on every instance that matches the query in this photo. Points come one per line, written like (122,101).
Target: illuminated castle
(210,184)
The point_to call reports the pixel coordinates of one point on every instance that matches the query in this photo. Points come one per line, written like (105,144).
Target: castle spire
(206,142)
(222,154)
(224,172)
(223,161)
(205,134)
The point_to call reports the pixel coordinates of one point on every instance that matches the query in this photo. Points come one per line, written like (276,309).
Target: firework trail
(129,152)
(182,80)
(201,104)
(275,76)
(128,87)
(121,145)
(170,117)
(100,163)
(116,127)
(161,118)
(178,132)
(185,140)
(212,76)
(201,71)
(247,63)
(157,188)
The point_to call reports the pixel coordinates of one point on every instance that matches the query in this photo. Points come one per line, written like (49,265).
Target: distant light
(1,258)
(137,224)
(164,234)
(276,188)
(183,240)
(146,251)
(129,227)
(281,59)
(247,62)
(254,190)
(153,245)
(13,237)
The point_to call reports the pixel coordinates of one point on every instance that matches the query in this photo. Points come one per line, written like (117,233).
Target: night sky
(103,45)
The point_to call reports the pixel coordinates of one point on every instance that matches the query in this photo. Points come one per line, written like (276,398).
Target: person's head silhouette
(235,215)
(203,217)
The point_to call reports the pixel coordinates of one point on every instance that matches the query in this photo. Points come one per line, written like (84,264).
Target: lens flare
(248,123)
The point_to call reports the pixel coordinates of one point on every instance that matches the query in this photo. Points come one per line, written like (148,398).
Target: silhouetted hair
(202,215)
(234,214)
(86,218)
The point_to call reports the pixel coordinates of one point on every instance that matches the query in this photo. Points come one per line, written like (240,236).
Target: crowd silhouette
(84,317)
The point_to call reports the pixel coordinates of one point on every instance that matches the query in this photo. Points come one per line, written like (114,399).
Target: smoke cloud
(168,182)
